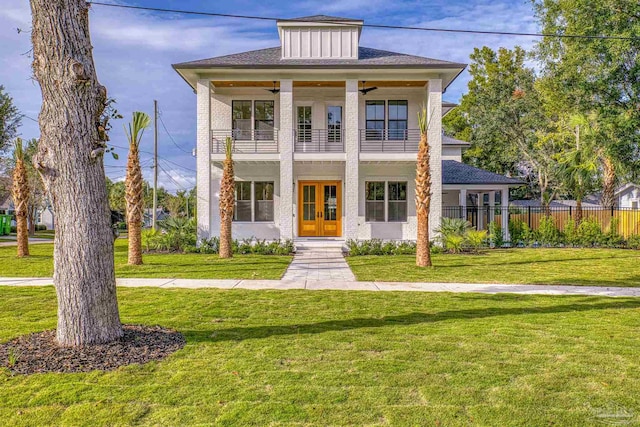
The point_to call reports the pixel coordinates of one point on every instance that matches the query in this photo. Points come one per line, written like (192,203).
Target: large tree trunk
(134,205)
(609,183)
(227,201)
(20,194)
(70,162)
(578,211)
(423,202)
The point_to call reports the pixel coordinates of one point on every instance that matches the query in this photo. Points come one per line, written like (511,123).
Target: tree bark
(69,159)
(227,202)
(578,211)
(134,200)
(423,202)
(609,184)
(20,194)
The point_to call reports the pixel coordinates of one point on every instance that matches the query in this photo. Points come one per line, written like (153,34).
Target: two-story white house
(325,136)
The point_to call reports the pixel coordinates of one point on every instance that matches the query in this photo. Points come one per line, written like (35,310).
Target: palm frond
(140,121)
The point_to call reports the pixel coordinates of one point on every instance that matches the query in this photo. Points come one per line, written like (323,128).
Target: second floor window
(253,120)
(264,119)
(241,113)
(398,115)
(374,120)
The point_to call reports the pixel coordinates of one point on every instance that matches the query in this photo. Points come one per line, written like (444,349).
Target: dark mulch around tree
(39,352)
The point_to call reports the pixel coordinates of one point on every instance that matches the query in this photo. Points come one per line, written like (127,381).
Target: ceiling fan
(274,90)
(367,90)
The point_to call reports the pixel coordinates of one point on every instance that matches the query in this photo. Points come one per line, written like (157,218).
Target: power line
(160,157)
(392,27)
(171,137)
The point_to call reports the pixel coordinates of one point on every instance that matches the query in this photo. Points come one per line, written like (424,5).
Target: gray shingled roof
(272,58)
(447,140)
(459,173)
(321,18)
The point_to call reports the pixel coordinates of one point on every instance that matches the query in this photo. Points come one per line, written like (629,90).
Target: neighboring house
(45,217)
(147,216)
(325,136)
(627,196)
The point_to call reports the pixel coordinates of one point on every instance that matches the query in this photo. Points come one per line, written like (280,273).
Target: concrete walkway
(319,263)
(484,288)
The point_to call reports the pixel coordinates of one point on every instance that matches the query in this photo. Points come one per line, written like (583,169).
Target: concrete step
(302,244)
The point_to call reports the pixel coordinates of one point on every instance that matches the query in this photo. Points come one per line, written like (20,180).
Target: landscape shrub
(495,235)
(548,234)
(633,241)
(475,239)
(41,227)
(590,233)
(516,231)
(571,234)
(456,235)
(380,247)
(248,246)
(175,234)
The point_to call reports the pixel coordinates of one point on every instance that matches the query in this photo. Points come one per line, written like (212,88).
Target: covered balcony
(389,140)
(318,141)
(249,141)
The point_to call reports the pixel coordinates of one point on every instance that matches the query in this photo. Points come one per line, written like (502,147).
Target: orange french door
(319,209)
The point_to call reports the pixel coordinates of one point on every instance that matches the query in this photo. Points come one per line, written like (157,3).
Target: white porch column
(351,172)
(480,225)
(463,202)
(434,136)
(492,205)
(203,159)
(285,145)
(504,209)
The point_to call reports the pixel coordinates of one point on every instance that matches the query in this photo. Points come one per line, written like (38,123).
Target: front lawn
(345,358)
(179,266)
(595,267)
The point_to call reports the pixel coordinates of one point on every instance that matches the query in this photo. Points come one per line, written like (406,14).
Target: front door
(319,209)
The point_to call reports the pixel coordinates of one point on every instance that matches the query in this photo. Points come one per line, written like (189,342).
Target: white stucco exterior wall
(285,136)
(350,196)
(434,136)
(203,161)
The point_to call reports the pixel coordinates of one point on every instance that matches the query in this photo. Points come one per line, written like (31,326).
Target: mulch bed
(39,352)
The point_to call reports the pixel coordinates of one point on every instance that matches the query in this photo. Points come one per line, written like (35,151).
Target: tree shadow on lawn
(260,332)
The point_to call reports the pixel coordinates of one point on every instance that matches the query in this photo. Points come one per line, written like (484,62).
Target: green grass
(182,266)
(344,358)
(595,267)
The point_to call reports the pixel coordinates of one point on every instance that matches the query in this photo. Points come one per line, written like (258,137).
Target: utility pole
(155,162)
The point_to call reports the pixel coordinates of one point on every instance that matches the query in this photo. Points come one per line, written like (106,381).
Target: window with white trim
(397,201)
(263,201)
(242,211)
(386,201)
(374,201)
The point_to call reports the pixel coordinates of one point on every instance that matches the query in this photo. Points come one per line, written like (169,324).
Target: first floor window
(263,201)
(374,201)
(242,211)
(397,201)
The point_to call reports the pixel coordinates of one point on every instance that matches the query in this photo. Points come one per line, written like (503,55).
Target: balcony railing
(245,141)
(389,140)
(318,141)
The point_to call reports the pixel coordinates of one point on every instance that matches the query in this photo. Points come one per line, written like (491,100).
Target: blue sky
(134,50)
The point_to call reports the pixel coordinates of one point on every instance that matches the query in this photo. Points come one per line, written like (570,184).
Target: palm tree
(227,201)
(579,172)
(133,184)
(20,194)
(423,194)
